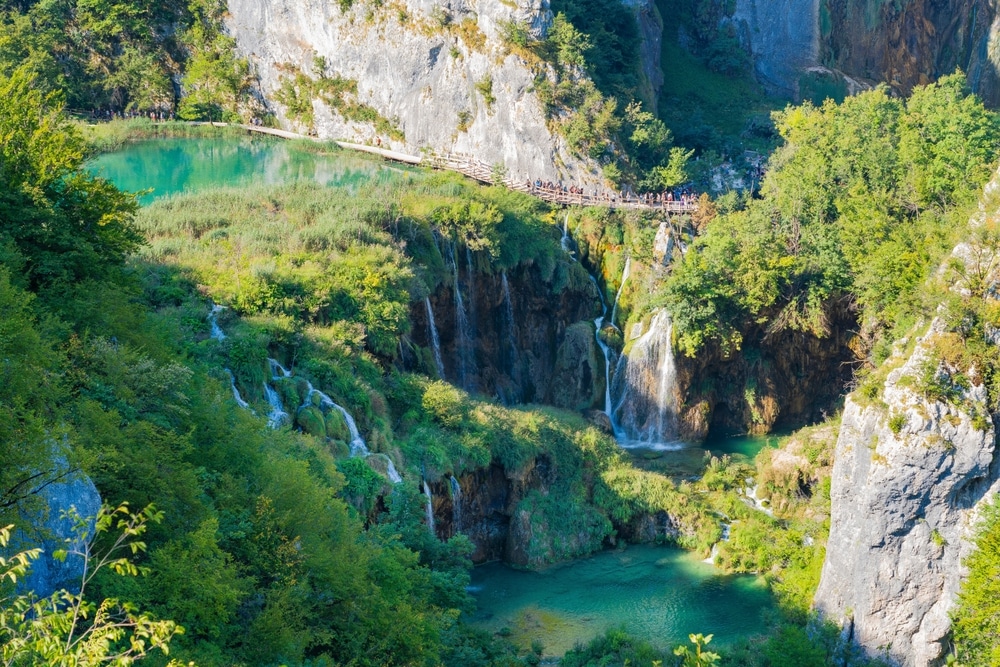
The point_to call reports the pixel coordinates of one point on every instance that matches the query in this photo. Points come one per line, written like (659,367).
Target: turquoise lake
(661,594)
(177,165)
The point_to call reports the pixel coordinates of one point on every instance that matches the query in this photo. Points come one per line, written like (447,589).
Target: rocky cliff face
(538,347)
(789,378)
(912,466)
(438,70)
(915,42)
(783,37)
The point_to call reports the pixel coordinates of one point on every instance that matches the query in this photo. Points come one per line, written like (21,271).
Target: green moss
(310,420)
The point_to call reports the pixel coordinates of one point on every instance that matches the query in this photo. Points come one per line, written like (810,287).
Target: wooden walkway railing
(484,173)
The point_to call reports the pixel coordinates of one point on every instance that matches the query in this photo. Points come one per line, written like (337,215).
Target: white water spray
(456,504)
(625,274)
(645,384)
(357,444)
(430,508)
(435,340)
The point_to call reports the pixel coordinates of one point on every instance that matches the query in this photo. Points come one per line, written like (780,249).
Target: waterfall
(218,334)
(277,416)
(625,274)
(435,341)
(216,330)
(564,241)
(466,363)
(456,504)
(645,384)
(598,323)
(715,547)
(277,370)
(430,508)
(471,292)
(357,444)
(236,392)
(508,332)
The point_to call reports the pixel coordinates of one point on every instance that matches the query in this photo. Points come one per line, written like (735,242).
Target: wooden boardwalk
(484,173)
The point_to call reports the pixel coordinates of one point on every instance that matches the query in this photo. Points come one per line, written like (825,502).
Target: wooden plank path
(484,173)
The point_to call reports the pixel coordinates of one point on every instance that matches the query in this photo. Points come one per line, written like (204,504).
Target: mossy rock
(339,449)
(310,419)
(288,390)
(336,426)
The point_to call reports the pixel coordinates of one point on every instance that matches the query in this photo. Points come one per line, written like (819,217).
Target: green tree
(66,224)
(69,629)
(977,615)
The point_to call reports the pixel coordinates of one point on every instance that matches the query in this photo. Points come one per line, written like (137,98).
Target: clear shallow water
(661,594)
(175,165)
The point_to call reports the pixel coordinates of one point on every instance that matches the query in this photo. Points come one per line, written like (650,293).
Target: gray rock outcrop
(783,37)
(46,526)
(912,468)
(423,66)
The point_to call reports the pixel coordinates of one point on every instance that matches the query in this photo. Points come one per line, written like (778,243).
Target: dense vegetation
(111,55)
(861,202)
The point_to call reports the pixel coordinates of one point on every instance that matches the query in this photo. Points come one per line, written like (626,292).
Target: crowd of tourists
(685,196)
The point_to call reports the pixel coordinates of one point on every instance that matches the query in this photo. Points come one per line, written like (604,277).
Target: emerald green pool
(175,165)
(660,594)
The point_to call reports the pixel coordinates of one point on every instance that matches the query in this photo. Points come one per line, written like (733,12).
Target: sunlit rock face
(422,65)
(910,476)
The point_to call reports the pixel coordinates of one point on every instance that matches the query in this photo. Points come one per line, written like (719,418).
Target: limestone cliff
(531,343)
(437,72)
(915,458)
(783,38)
(911,43)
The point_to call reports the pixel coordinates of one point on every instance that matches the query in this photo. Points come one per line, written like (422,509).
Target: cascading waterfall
(466,363)
(598,323)
(508,333)
(236,392)
(564,241)
(218,334)
(430,508)
(625,274)
(213,322)
(456,504)
(435,340)
(277,416)
(645,384)
(357,444)
(471,292)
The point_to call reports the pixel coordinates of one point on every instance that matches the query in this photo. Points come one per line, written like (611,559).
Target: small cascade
(564,241)
(236,392)
(466,363)
(277,370)
(508,332)
(625,274)
(390,469)
(598,323)
(277,417)
(435,340)
(715,547)
(218,334)
(213,322)
(456,504)
(470,292)
(430,508)
(357,445)
(645,384)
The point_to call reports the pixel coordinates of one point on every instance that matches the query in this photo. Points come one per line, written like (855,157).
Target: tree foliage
(861,201)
